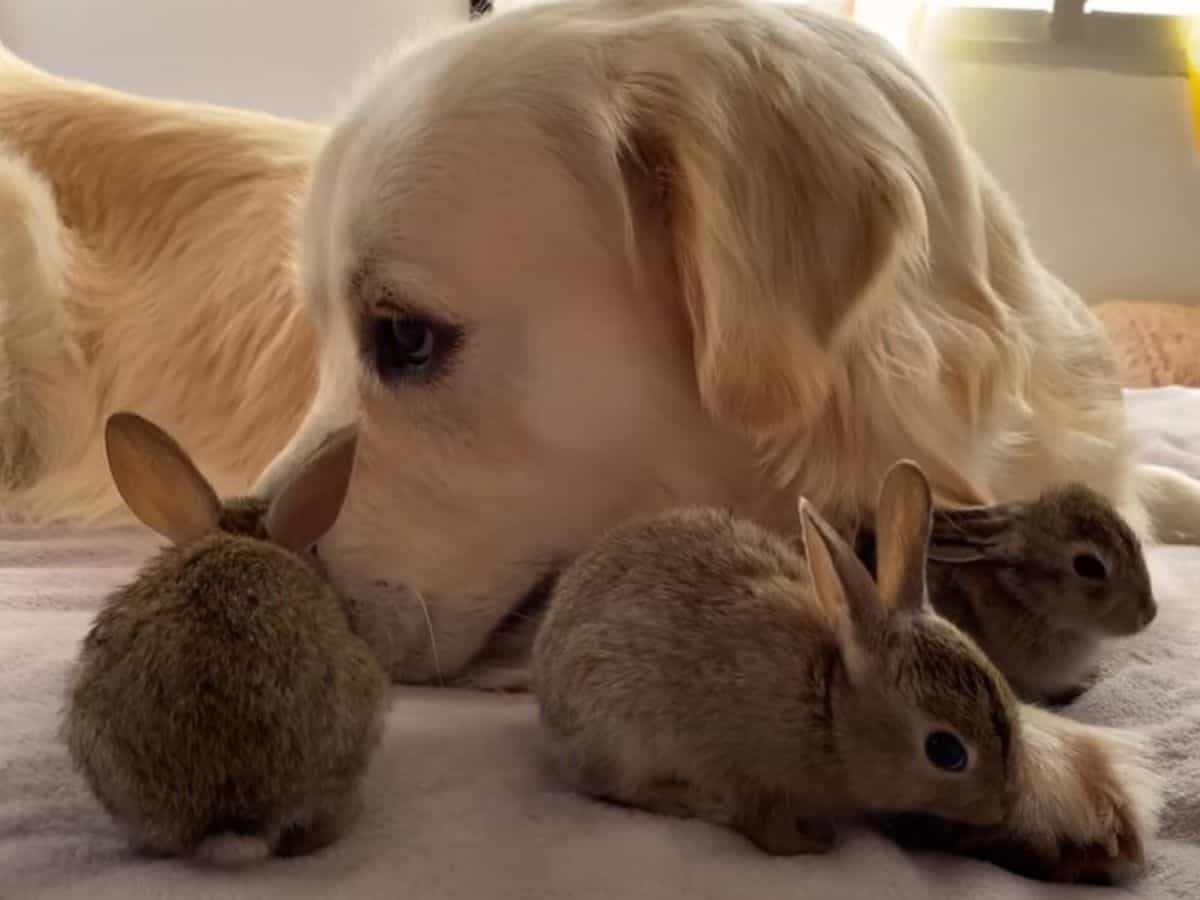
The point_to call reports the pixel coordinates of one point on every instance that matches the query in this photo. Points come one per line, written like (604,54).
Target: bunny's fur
(221,704)
(1006,575)
(694,664)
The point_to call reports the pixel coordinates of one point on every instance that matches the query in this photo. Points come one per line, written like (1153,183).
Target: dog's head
(582,262)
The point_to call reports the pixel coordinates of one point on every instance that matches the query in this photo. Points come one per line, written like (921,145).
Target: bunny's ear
(308,505)
(902,525)
(974,535)
(955,552)
(158,480)
(842,587)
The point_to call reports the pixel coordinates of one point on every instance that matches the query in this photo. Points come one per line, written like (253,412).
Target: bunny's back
(223,660)
(696,623)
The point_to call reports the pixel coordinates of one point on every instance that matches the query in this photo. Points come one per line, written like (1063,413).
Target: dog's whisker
(433,647)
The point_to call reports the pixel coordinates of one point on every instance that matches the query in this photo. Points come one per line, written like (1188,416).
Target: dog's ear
(792,193)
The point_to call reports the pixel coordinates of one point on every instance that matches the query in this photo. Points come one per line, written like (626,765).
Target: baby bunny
(1039,585)
(695,664)
(221,705)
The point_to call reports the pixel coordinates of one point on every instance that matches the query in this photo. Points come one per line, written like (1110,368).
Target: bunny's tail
(229,849)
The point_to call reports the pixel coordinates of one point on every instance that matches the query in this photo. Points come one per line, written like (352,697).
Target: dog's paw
(1087,802)
(1085,807)
(1123,801)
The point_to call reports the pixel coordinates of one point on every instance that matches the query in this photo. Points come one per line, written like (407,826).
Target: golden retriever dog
(572,264)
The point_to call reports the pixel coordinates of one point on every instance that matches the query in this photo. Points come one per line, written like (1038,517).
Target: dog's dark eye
(407,346)
(1089,566)
(412,341)
(946,751)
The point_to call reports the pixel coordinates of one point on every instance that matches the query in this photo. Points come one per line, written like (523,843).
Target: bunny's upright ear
(842,586)
(308,504)
(158,480)
(902,525)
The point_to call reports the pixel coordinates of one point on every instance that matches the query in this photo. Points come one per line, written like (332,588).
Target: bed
(460,799)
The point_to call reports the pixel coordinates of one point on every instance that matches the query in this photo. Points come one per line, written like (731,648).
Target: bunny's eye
(1089,566)
(946,751)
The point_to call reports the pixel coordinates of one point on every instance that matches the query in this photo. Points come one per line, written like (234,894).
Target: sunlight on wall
(894,19)
(1194,76)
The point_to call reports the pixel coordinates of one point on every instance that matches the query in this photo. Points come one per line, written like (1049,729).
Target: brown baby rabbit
(695,664)
(221,705)
(1039,585)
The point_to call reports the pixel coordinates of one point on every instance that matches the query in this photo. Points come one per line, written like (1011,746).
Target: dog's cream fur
(145,263)
(704,252)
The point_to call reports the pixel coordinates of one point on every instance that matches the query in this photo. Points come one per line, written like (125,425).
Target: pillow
(1156,344)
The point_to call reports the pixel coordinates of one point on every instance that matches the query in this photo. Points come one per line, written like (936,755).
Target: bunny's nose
(1147,613)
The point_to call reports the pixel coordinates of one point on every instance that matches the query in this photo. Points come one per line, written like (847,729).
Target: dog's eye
(1089,566)
(412,342)
(407,346)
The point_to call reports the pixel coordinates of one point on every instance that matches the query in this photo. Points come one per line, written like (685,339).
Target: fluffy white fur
(705,252)
(1092,784)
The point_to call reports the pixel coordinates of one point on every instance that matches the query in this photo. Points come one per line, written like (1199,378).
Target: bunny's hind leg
(623,773)
(323,827)
(771,820)
(774,823)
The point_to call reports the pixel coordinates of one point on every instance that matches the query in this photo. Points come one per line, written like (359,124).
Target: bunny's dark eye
(408,346)
(946,751)
(1089,566)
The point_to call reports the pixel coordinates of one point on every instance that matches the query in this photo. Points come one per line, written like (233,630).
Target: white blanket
(461,804)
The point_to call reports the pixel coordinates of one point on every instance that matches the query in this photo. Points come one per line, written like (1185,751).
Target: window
(1146,7)
(1148,37)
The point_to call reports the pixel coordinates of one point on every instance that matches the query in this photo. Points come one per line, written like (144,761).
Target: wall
(290,57)
(1104,168)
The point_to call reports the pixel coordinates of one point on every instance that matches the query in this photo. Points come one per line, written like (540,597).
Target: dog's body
(659,253)
(146,263)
